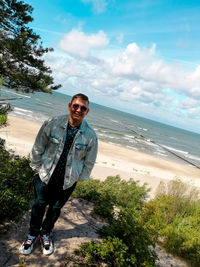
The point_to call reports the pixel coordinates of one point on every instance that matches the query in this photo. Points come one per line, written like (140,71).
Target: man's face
(78,109)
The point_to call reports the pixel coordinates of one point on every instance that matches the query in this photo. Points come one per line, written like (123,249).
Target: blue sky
(142,57)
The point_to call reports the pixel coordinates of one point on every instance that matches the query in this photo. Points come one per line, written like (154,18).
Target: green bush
(4,109)
(15,178)
(174,215)
(111,193)
(182,238)
(3,119)
(121,203)
(111,251)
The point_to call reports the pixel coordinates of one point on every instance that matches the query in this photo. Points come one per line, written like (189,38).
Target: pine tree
(21,51)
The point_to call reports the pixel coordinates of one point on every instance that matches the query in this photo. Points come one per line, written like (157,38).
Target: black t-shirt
(57,177)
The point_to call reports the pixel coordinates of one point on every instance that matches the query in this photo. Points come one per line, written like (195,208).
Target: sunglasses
(82,108)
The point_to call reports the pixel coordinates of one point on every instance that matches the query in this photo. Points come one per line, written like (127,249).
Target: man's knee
(39,203)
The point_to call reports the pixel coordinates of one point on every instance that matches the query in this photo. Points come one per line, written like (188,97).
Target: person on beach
(64,153)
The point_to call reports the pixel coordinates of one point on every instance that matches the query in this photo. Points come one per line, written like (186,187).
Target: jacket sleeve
(90,159)
(39,146)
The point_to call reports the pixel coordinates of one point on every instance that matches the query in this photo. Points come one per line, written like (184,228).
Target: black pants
(47,195)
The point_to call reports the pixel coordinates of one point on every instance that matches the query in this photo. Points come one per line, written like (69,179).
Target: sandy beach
(111,160)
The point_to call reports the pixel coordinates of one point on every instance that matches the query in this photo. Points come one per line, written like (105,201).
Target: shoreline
(112,160)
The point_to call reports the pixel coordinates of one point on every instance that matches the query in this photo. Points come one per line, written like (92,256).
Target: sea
(113,126)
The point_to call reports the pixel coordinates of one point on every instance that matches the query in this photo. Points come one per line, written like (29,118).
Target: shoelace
(46,241)
(28,241)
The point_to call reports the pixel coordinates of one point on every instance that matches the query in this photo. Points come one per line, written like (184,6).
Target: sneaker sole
(24,252)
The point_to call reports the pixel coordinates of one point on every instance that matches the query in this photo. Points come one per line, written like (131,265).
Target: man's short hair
(81,96)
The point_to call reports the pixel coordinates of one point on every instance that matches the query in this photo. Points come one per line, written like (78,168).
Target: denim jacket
(49,145)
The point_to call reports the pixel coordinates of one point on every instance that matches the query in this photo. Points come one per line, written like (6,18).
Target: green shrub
(121,203)
(3,120)
(111,251)
(174,215)
(111,193)
(182,237)
(4,109)
(15,178)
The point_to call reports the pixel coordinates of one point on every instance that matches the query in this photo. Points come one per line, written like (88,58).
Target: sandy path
(75,225)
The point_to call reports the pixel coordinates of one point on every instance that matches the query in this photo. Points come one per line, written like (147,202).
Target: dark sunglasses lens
(83,108)
(76,106)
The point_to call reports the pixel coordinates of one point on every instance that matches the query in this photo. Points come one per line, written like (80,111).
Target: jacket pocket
(80,151)
(54,140)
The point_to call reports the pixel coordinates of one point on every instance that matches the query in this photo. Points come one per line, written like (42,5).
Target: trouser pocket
(39,188)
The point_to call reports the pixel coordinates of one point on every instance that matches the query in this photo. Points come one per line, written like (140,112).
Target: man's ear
(69,106)
(87,111)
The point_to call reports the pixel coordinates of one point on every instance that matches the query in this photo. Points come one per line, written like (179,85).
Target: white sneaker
(27,246)
(46,244)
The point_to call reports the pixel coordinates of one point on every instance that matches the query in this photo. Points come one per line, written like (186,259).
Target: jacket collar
(65,122)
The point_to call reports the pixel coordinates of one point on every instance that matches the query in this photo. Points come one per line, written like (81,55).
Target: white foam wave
(129,136)
(192,157)
(129,139)
(14,93)
(19,113)
(160,154)
(22,110)
(115,121)
(176,150)
(24,113)
(144,129)
(147,142)
(105,135)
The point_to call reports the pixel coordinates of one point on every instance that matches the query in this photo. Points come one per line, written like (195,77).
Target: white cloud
(193,112)
(99,6)
(188,103)
(78,43)
(136,63)
(135,78)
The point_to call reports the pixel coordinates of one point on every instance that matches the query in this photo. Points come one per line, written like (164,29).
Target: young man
(64,152)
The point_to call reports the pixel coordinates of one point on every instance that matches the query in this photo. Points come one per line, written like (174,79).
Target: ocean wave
(14,93)
(150,142)
(192,157)
(176,150)
(144,129)
(115,121)
(129,136)
(105,135)
(16,109)
(160,154)
(130,139)
(24,113)
(103,131)
(21,113)
(147,142)
(173,138)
